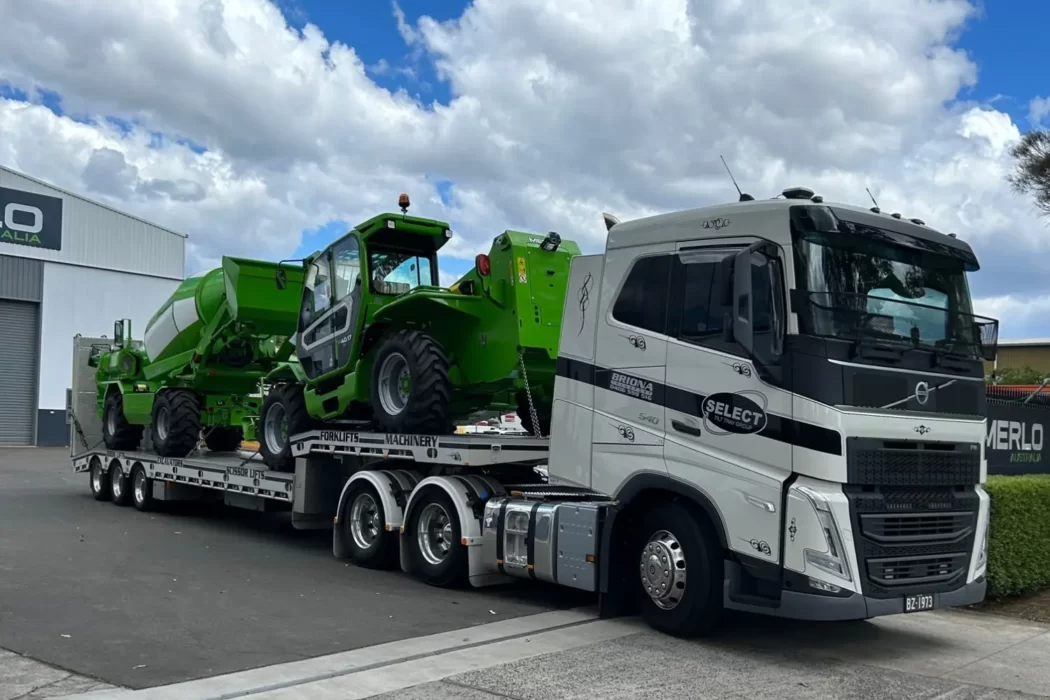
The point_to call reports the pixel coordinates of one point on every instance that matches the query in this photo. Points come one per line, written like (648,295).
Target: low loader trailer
(770,406)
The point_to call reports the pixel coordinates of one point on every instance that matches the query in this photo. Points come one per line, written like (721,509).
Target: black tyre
(363,524)
(141,489)
(679,571)
(223,439)
(283,415)
(99,480)
(543,413)
(117,432)
(410,385)
(176,424)
(119,485)
(433,538)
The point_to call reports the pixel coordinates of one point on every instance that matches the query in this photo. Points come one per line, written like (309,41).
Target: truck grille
(912,540)
(912,463)
(911,571)
(916,527)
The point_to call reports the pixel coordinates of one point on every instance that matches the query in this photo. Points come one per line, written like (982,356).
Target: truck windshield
(397,272)
(862,288)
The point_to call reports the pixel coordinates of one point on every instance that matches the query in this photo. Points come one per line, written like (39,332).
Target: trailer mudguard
(393,487)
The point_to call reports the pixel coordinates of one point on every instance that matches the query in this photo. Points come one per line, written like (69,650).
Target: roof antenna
(743,197)
(876,207)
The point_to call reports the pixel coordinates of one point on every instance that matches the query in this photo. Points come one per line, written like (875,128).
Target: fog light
(824,586)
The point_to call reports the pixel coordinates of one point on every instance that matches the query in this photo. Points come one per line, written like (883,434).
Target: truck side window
(642,302)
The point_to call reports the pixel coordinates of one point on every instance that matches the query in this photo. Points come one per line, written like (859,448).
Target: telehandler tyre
(411,388)
(283,414)
(176,422)
(117,432)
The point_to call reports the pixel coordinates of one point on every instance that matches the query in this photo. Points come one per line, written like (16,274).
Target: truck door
(630,359)
(726,426)
(331,296)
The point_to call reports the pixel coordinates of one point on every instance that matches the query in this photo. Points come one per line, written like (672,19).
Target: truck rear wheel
(223,439)
(410,384)
(117,432)
(283,415)
(433,538)
(99,480)
(118,485)
(176,422)
(680,572)
(364,528)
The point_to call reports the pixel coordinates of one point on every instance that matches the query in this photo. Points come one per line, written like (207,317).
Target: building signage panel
(30,219)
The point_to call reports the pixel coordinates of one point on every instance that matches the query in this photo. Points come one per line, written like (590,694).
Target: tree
(1031,175)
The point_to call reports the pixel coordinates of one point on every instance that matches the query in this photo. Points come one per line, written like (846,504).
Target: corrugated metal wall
(97,236)
(21,279)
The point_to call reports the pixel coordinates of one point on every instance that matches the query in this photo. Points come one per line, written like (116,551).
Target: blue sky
(1007,41)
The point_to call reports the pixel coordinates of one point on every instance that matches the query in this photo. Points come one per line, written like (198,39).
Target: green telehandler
(381,344)
(201,361)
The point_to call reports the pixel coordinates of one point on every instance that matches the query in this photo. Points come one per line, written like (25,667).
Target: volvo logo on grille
(922,393)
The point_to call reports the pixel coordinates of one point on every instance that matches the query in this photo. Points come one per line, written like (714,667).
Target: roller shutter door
(19,330)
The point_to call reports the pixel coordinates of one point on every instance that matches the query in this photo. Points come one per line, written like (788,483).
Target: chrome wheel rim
(662,569)
(395,384)
(140,486)
(275,428)
(434,533)
(116,481)
(364,521)
(96,477)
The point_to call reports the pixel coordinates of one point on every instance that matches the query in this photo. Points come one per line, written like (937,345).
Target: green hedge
(1019,541)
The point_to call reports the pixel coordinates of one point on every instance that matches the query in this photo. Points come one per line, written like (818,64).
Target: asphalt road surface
(144,599)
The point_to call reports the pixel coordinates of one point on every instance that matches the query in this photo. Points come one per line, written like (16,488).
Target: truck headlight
(834,561)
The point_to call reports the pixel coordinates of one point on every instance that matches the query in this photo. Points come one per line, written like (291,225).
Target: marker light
(403,202)
(481,262)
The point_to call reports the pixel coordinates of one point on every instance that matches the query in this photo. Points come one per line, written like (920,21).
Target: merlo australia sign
(30,219)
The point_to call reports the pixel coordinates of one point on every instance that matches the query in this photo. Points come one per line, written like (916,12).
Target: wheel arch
(647,488)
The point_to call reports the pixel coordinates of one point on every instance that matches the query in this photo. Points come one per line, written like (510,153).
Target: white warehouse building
(67,266)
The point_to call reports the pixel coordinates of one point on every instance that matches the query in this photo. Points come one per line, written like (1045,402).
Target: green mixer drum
(177,325)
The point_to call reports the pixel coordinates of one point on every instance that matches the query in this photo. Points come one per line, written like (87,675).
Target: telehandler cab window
(394,272)
(347,263)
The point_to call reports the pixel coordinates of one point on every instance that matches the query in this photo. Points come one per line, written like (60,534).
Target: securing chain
(528,394)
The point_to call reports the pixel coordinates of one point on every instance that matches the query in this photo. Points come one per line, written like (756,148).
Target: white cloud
(559,112)
(1038,110)
(1024,316)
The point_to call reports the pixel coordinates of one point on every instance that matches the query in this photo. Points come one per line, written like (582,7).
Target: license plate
(918,603)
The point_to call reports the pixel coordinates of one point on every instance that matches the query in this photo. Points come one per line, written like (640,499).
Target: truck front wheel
(410,384)
(679,569)
(117,432)
(176,422)
(283,415)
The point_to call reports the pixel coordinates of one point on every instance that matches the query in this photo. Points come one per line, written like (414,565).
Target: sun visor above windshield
(851,221)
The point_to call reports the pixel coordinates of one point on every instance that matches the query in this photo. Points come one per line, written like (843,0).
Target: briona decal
(741,413)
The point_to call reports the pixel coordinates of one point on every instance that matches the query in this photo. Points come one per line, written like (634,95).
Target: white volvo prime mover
(774,406)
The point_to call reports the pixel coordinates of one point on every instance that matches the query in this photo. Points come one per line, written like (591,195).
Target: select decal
(742,413)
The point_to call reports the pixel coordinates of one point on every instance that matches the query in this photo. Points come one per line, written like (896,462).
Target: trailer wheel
(680,572)
(224,439)
(433,537)
(176,422)
(410,386)
(117,432)
(141,489)
(364,528)
(119,485)
(283,415)
(99,480)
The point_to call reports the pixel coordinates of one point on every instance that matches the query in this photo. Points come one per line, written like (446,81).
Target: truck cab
(802,384)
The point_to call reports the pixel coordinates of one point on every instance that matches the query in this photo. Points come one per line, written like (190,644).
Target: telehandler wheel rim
(434,533)
(275,428)
(364,521)
(662,569)
(163,418)
(395,384)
